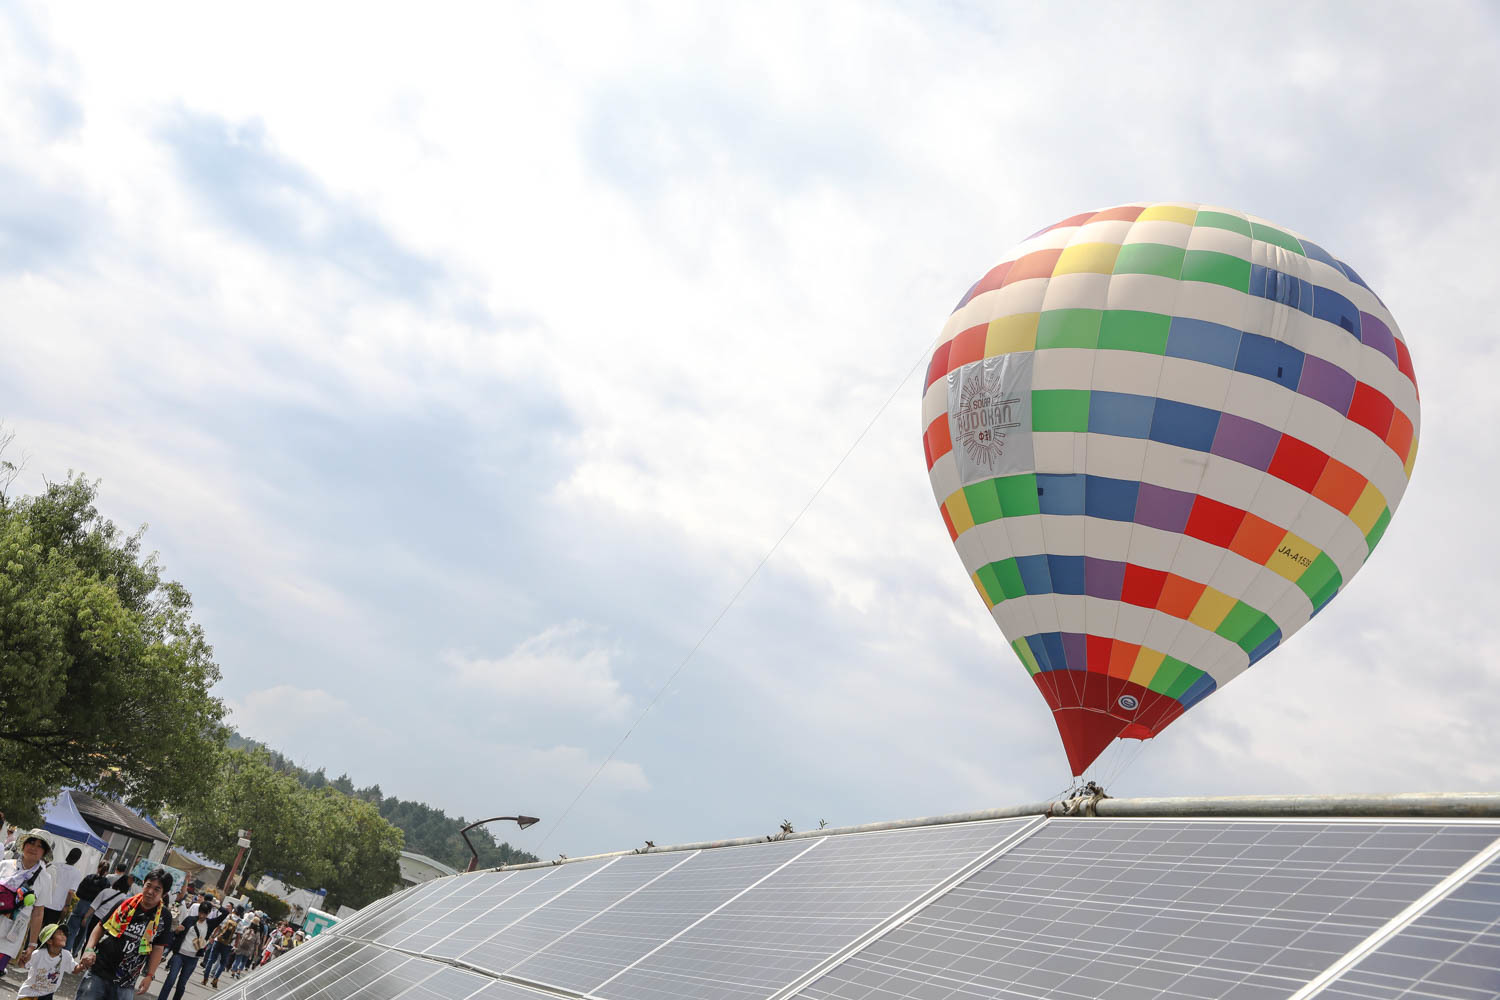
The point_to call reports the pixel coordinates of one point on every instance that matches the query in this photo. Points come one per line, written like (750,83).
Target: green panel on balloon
(1009,576)
(1269,234)
(1223,220)
(1166,675)
(1217,268)
(993,592)
(1071,327)
(984,505)
(1186,679)
(1129,330)
(1028,659)
(1060,410)
(1257,634)
(1377,532)
(1241,618)
(1149,258)
(1316,576)
(1017,495)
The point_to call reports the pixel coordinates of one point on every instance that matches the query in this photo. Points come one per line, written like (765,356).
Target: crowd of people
(54,920)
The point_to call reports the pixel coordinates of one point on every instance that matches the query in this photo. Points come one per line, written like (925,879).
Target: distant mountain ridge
(426,830)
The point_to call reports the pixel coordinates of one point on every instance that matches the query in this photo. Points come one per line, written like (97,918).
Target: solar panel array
(1043,909)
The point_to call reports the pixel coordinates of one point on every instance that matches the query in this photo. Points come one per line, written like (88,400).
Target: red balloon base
(1092,710)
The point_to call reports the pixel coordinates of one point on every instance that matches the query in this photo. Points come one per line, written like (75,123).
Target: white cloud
(564,668)
(284,715)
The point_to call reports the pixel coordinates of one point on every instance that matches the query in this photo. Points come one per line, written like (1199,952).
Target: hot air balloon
(1163,437)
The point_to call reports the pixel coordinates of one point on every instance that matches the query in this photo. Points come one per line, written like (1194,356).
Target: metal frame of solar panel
(1029,906)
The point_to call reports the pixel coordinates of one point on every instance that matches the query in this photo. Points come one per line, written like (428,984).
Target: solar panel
(1449,952)
(419,900)
(639,923)
(1133,909)
(402,922)
(828,896)
(471,926)
(274,980)
(566,910)
(437,922)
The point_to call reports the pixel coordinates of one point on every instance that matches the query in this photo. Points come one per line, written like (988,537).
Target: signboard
(146,866)
(316,922)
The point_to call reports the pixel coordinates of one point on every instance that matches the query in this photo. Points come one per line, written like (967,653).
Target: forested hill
(427,830)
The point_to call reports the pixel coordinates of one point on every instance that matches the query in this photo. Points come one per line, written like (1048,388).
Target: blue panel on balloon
(1318,253)
(1333,307)
(1059,494)
(1120,414)
(1039,650)
(1111,499)
(1202,688)
(1199,340)
(1184,425)
(1271,641)
(1067,574)
(1270,359)
(1052,642)
(1034,574)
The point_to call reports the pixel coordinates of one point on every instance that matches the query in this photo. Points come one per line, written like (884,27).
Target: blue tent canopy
(61,816)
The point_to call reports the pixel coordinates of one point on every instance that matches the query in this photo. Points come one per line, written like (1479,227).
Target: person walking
(129,938)
(246,943)
(188,944)
(88,888)
(222,948)
(24,882)
(47,965)
(65,880)
(108,898)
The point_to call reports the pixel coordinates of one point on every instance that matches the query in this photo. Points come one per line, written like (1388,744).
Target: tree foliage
(425,829)
(104,677)
(314,839)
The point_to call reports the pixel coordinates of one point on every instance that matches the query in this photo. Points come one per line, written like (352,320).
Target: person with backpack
(87,890)
(108,898)
(24,882)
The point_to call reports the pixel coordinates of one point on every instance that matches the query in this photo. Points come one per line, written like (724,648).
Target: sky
(466,362)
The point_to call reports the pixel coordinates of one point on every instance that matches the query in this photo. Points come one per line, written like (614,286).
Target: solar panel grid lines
(418,901)
(420,912)
(789,922)
(373,910)
(1127,910)
(477,918)
(379,975)
(331,972)
(619,937)
(1448,951)
(1017,836)
(463,941)
(565,911)
(263,982)
(812,845)
(434,924)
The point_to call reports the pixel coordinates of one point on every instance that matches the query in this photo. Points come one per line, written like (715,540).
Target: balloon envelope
(1163,437)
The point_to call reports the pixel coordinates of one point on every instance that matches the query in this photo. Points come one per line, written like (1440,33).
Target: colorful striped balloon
(1163,437)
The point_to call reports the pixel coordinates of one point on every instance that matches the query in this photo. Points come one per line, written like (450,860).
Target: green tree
(249,794)
(362,851)
(104,677)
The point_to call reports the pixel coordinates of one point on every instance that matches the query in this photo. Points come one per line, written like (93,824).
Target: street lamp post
(522,821)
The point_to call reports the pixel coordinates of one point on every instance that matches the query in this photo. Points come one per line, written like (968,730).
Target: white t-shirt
(65,879)
(13,927)
(195,940)
(44,973)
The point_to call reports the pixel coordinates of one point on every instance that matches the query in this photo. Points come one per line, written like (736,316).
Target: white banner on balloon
(989,415)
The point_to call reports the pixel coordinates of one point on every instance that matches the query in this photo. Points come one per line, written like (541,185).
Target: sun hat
(37,834)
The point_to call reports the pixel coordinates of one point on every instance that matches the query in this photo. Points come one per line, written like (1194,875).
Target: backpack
(12,900)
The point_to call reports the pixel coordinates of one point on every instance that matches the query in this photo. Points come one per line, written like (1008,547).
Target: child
(48,964)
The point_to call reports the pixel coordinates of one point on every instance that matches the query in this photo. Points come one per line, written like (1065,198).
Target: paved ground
(13,978)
